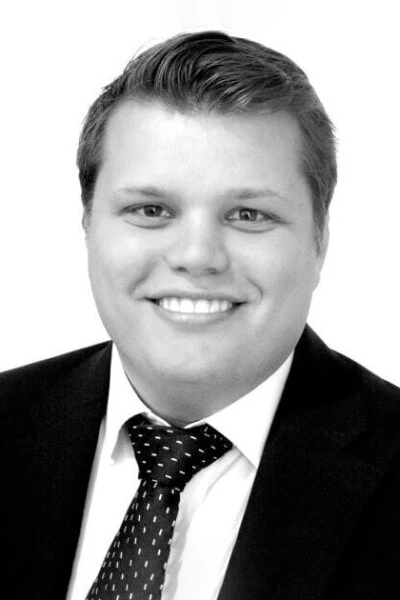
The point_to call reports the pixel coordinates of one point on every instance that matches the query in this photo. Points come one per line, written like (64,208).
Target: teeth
(187,306)
(174,304)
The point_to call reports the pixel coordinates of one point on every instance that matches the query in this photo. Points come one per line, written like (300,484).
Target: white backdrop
(56,56)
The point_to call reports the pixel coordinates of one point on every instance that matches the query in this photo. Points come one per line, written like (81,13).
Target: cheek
(284,272)
(114,260)
(106,276)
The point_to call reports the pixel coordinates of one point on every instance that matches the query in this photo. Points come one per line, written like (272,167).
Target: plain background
(55,58)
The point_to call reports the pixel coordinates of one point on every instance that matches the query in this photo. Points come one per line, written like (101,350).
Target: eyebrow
(235,193)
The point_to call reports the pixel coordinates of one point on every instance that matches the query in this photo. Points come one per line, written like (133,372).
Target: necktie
(168,457)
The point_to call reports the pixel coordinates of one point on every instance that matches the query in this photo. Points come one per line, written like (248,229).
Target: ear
(321,251)
(85,221)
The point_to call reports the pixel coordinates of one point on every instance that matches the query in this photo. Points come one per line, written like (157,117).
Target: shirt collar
(253,412)
(123,403)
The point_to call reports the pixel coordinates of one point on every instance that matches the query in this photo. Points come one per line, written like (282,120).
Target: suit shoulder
(31,379)
(342,380)
(381,402)
(338,368)
(335,384)
(61,361)
(371,386)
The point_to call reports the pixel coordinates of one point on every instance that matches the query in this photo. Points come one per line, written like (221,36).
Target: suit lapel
(66,422)
(310,488)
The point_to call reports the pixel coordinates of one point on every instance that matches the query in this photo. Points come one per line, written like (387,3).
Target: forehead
(154,120)
(147,140)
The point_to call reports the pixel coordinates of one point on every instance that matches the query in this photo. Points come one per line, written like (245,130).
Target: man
(207,169)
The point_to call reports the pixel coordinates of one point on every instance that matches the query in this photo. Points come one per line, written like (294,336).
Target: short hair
(213,71)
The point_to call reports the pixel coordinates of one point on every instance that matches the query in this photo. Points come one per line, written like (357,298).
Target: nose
(198,249)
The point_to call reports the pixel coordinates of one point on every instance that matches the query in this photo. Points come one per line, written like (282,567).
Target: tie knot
(171,455)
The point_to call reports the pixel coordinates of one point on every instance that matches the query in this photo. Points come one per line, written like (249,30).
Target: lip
(194,319)
(198,295)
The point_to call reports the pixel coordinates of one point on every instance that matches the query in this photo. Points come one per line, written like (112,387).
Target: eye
(151,211)
(250,219)
(148,215)
(247,214)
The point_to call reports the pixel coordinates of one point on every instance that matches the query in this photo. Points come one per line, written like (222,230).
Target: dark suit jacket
(323,519)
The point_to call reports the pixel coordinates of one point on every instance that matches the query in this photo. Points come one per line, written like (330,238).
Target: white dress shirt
(211,506)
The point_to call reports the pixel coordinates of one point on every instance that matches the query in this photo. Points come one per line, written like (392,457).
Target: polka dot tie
(168,457)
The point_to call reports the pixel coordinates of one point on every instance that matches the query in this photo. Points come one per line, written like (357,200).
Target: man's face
(202,253)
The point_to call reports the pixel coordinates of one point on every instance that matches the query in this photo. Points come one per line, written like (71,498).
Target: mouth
(194,310)
(198,306)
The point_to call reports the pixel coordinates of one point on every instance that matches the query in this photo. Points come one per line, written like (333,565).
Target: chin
(179,372)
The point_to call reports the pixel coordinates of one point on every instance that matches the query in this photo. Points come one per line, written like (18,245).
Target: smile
(201,306)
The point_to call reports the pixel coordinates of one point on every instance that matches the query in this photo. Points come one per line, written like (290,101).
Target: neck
(182,402)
